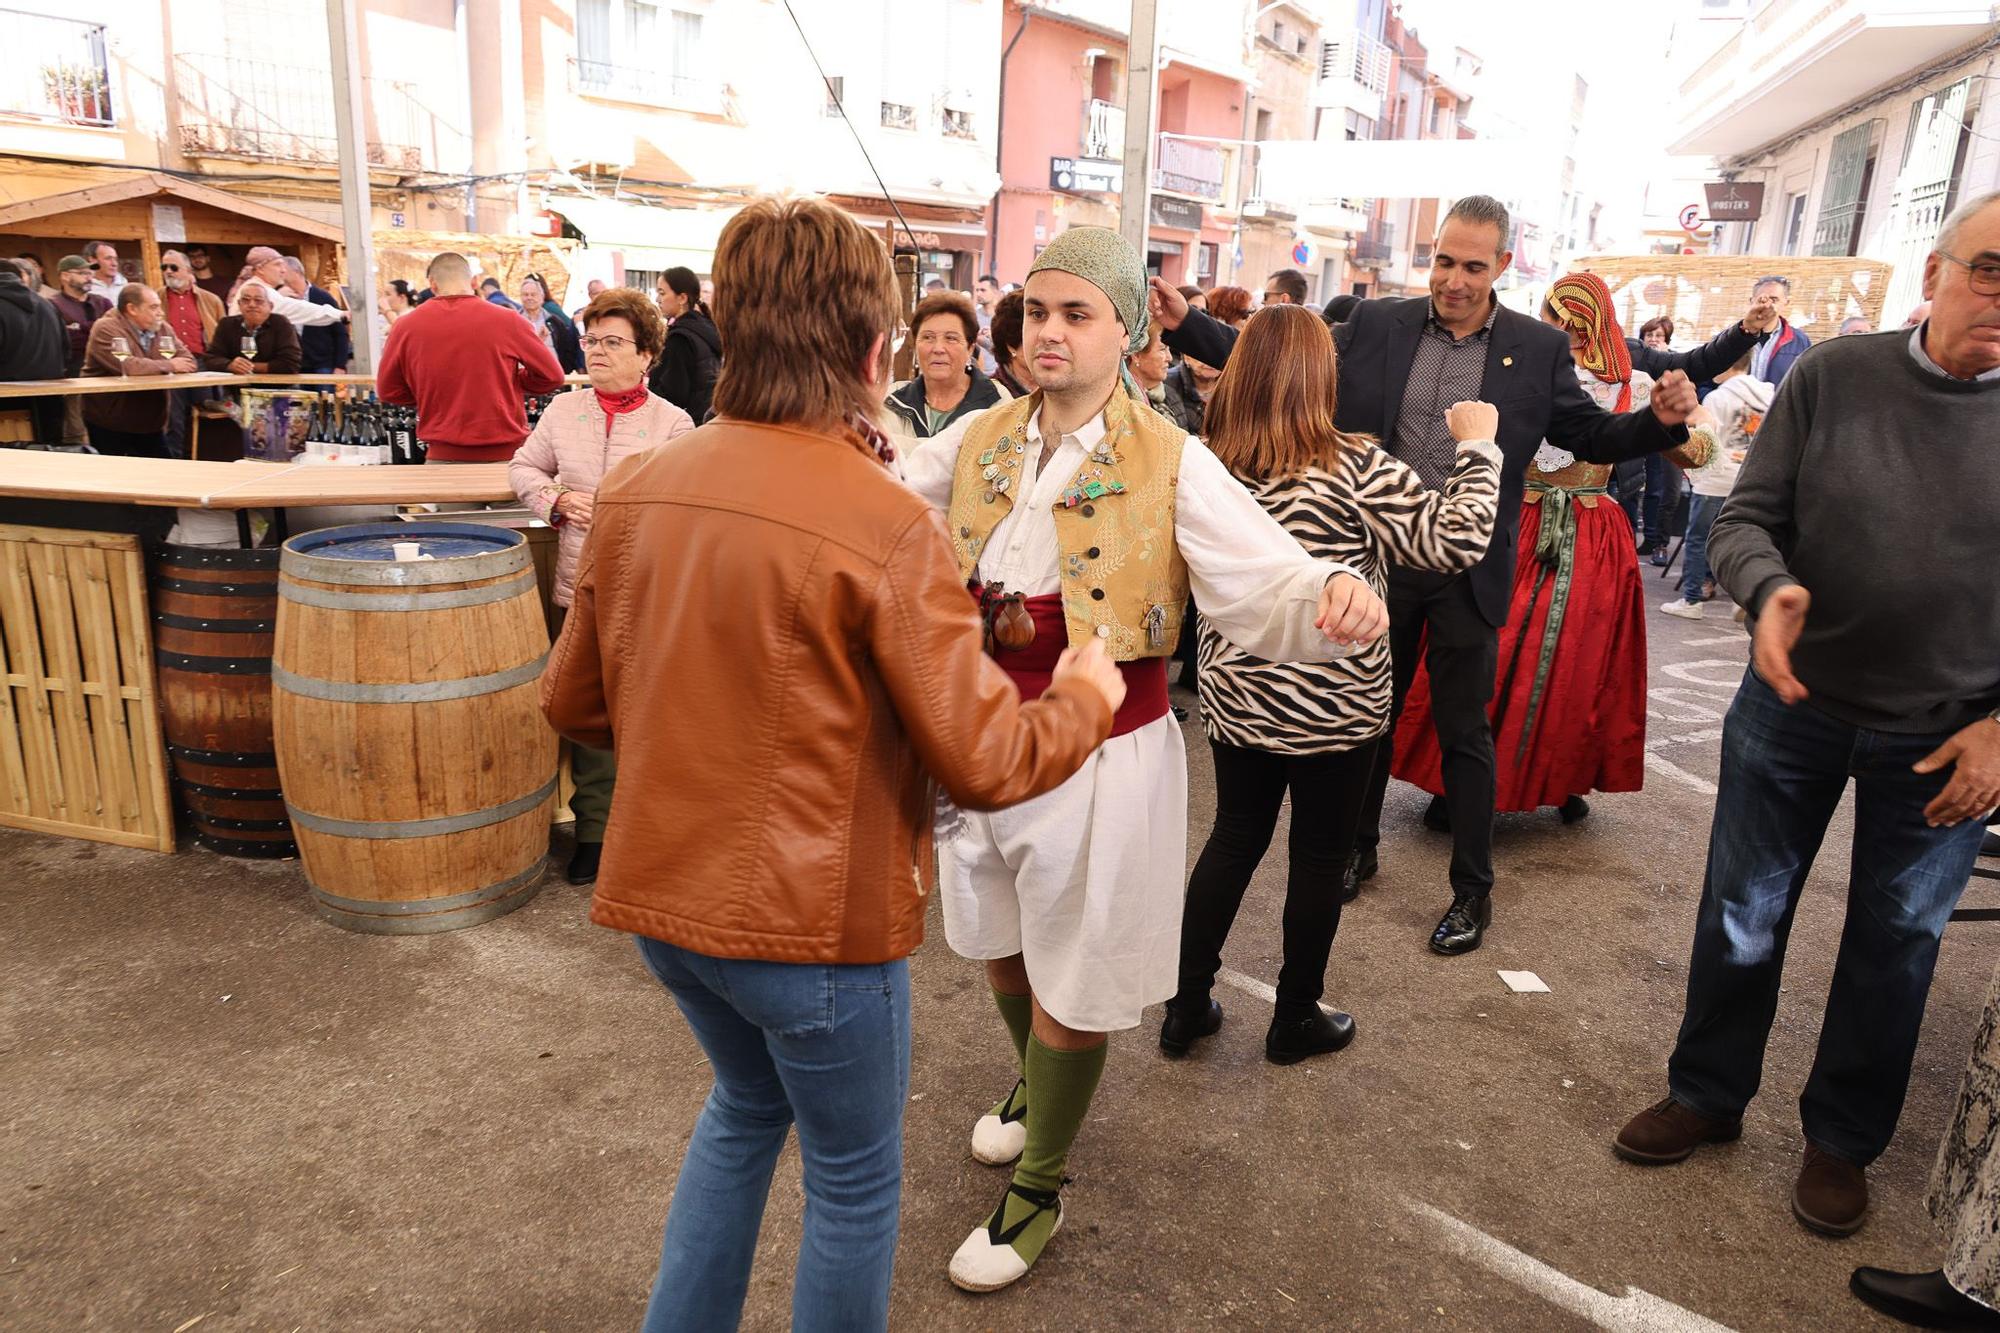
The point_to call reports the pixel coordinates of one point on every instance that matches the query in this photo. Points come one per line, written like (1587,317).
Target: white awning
(1313,170)
(649,236)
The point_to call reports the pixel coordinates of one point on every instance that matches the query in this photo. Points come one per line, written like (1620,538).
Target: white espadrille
(986,1264)
(999,1136)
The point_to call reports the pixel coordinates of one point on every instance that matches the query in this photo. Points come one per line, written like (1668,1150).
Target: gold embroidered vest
(1123,579)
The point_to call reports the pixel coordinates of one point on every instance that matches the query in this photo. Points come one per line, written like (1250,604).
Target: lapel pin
(1506,360)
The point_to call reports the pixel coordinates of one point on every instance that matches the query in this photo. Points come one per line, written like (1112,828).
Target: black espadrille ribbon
(1015,1108)
(1043,1201)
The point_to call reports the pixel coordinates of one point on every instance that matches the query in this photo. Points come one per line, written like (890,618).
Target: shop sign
(1734,201)
(1088,174)
(1176,213)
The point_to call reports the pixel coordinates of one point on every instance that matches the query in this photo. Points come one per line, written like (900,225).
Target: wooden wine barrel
(214,615)
(418,770)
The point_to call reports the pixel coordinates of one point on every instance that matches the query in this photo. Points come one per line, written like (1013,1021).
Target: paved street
(215,1105)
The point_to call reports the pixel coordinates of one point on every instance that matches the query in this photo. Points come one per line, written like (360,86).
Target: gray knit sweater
(1875,483)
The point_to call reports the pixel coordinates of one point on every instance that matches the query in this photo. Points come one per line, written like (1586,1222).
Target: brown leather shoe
(1831,1196)
(1669,1132)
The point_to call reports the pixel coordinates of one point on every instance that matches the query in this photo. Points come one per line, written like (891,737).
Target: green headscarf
(1103,258)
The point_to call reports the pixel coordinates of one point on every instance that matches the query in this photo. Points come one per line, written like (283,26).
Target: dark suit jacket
(1529,377)
(1701,363)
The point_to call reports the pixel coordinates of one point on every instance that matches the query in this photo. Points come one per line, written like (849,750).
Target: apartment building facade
(1862,123)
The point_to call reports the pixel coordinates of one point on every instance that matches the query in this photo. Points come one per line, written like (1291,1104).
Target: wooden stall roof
(1702,294)
(183,484)
(148,184)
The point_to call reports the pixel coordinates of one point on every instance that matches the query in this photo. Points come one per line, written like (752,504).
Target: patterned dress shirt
(1446,370)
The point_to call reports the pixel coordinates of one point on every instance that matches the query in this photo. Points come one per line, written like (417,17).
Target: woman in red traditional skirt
(1569,706)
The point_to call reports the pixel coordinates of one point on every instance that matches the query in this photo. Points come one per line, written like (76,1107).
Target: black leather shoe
(1926,1300)
(1574,810)
(583,866)
(1182,1030)
(1990,844)
(1463,928)
(1292,1040)
(1437,816)
(1361,867)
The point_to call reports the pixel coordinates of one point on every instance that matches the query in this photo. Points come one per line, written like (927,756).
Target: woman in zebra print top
(1311,728)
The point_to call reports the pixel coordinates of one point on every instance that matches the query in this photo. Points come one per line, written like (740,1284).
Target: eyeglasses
(170,268)
(610,342)
(1982,274)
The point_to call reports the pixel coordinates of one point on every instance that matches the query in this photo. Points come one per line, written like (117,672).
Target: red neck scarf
(616,403)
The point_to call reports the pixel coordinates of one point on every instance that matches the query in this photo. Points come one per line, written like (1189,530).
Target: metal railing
(639,83)
(1104,130)
(1357,57)
(247,108)
(1196,167)
(54,69)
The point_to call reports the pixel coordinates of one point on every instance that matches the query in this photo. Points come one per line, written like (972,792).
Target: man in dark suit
(1402,364)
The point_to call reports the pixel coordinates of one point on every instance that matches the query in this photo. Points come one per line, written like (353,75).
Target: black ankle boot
(1463,927)
(1437,816)
(1291,1040)
(1361,867)
(583,866)
(1574,809)
(1183,1027)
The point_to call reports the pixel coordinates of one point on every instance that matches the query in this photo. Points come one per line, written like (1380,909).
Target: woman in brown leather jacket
(773,629)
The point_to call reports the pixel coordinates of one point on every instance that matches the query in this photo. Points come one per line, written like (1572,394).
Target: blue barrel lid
(377,541)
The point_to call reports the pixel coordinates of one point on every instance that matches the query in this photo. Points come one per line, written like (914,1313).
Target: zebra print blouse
(1370,511)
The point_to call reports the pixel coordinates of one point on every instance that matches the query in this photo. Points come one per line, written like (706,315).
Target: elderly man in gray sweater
(1864,536)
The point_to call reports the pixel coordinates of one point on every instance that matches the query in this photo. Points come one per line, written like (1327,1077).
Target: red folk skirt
(1588,732)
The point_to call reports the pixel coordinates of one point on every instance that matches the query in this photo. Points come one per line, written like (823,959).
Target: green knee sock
(1064,1083)
(1018,1013)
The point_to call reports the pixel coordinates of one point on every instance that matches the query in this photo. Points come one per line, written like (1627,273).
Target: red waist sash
(1032,667)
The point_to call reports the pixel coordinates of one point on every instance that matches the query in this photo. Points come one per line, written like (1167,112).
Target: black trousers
(1328,791)
(1463,654)
(127,444)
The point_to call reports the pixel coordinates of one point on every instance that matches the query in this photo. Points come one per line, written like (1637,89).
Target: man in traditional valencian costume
(1080,512)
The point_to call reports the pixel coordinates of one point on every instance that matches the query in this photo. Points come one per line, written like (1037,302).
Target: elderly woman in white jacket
(582,435)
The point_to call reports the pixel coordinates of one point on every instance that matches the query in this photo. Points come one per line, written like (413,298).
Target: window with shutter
(1844,197)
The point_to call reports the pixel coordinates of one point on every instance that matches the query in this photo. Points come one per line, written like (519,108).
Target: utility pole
(1141,56)
(357,213)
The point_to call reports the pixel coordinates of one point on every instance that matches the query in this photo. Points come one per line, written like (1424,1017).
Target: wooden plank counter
(180,483)
(201,379)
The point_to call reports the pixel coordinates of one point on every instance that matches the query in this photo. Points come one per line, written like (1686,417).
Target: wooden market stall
(149,211)
(1703,294)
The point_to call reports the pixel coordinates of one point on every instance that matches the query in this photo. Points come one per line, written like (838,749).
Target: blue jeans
(1783,773)
(1694,551)
(826,1048)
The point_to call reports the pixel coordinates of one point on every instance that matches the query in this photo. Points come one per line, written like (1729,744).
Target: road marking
(1660,764)
(1686,671)
(1696,704)
(1229,976)
(1739,638)
(1635,1312)
(1690,738)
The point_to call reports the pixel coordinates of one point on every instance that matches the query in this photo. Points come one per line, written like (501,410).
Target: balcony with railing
(648,85)
(1353,73)
(1195,167)
(237,108)
(1104,130)
(1377,248)
(54,70)
(1793,61)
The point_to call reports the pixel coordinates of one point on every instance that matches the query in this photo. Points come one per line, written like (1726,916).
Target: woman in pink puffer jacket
(582,435)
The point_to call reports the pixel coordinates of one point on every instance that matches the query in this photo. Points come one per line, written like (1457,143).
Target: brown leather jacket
(774,628)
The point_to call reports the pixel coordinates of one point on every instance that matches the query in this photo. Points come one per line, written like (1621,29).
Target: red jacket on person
(465,365)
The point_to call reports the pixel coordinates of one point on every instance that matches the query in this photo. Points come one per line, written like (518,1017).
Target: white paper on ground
(1524,983)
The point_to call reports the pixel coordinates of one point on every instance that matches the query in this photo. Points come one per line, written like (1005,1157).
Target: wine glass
(120,348)
(249,347)
(164,345)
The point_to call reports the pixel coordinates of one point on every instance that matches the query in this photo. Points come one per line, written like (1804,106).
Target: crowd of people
(1382,537)
(1392,532)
